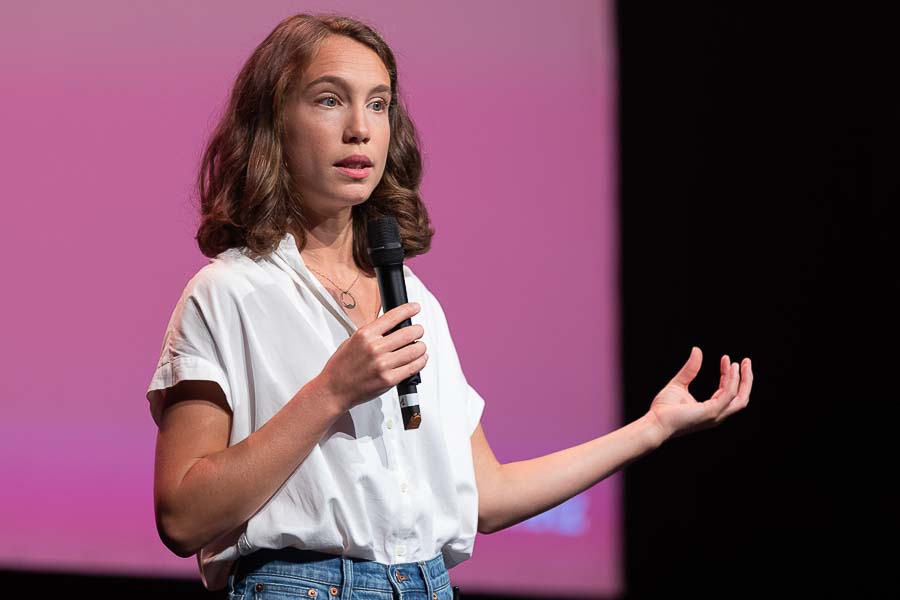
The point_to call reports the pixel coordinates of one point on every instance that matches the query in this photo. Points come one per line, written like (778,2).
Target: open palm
(677,412)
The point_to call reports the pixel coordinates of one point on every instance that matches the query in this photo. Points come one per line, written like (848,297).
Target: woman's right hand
(369,363)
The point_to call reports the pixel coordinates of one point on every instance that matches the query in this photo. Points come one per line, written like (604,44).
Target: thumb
(690,368)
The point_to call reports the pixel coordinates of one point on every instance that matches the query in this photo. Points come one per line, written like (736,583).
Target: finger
(404,355)
(392,318)
(742,398)
(408,370)
(690,368)
(724,362)
(734,379)
(402,337)
(746,381)
(727,391)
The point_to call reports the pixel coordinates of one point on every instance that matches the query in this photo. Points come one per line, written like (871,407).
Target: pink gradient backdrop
(106,109)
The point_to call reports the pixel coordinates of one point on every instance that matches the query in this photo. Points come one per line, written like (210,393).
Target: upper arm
(195,422)
(487,477)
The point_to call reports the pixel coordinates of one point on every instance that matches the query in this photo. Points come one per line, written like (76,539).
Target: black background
(759,190)
(759,160)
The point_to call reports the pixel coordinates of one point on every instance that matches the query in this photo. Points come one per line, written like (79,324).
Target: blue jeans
(295,573)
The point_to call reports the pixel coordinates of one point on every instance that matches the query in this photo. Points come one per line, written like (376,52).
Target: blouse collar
(289,254)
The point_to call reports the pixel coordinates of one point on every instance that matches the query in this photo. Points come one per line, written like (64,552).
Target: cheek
(309,129)
(305,154)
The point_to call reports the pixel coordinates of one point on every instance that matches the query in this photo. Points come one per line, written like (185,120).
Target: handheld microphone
(386,252)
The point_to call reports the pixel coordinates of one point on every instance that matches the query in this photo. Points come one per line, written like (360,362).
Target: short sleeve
(474,408)
(189,351)
(472,402)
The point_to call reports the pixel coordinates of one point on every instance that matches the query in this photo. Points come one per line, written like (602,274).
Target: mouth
(355,172)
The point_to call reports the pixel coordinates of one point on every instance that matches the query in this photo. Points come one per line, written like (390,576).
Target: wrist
(656,431)
(328,400)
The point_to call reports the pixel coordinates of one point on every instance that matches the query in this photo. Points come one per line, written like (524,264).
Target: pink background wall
(107,106)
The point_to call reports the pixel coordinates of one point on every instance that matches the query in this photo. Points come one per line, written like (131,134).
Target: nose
(357,129)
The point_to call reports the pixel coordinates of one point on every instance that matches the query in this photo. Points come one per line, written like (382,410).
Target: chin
(359,199)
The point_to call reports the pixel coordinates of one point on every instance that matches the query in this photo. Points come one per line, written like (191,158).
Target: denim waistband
(331,570)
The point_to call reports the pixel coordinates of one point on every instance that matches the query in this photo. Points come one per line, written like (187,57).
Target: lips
(356,161)
(360,173)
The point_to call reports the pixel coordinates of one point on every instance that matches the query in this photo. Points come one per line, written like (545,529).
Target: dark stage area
(759,193)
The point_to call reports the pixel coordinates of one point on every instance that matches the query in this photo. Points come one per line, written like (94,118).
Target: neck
(329,243)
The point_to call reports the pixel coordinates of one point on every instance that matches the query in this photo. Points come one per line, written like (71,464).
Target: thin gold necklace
(343,292)
(347,292)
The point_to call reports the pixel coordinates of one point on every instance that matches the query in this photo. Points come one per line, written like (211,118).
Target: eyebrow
(341,82)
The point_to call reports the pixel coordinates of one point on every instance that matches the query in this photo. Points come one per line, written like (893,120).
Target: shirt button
(401,550)
(404,487)
(390,424)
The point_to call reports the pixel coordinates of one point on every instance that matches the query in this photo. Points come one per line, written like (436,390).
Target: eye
(381,103)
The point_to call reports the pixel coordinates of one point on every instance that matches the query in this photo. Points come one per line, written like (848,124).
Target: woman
(280,461)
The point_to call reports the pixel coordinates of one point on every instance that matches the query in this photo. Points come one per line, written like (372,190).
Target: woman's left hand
(677,412)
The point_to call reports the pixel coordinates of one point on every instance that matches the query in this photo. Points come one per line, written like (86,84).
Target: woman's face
(330,120)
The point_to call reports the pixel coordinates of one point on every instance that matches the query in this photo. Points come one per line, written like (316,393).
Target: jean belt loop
(346,577)
(423,566)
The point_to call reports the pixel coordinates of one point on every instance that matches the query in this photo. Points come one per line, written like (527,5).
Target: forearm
(527,488)
(223,490)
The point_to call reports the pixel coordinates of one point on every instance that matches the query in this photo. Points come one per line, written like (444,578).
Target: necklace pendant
(353,300)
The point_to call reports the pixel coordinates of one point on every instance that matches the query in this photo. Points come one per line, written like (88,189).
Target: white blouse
(369,489)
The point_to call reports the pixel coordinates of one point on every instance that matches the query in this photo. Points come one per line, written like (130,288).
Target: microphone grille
(383,232)
(385,247)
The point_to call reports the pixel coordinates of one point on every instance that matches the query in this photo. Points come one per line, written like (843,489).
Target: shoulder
(416,288)
(418,291)
(230,275)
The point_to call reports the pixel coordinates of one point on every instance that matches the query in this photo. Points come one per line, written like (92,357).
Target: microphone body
(386,252)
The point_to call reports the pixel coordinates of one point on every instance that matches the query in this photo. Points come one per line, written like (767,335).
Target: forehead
(348,59)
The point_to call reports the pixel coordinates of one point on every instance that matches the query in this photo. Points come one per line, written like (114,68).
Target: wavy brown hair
(247,195)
